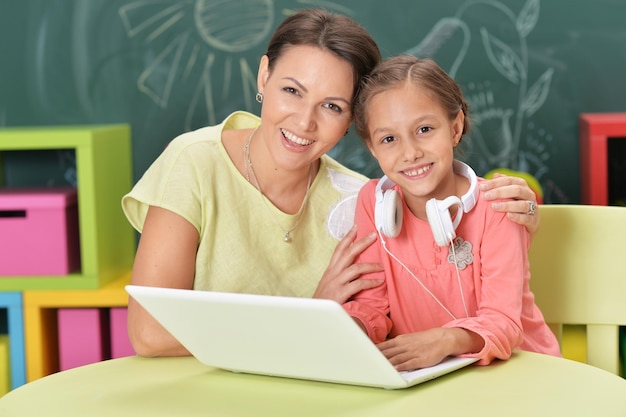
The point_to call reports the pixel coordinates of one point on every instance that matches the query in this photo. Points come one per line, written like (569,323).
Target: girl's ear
(263,74)
(457,127)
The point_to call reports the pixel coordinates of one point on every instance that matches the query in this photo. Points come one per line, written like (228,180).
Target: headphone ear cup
(390,220)
(438,214)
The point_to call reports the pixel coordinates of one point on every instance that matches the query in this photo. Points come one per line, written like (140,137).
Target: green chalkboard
(529,67)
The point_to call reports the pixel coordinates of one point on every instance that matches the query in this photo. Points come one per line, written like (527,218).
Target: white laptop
(278,336)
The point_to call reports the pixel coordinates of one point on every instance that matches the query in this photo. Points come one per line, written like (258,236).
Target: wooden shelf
(40,320)
(104,175)
(596,130)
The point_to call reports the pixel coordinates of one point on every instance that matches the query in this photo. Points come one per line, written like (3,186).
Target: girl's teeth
(415,172)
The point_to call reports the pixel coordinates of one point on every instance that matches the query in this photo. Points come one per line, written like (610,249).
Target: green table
(527,385)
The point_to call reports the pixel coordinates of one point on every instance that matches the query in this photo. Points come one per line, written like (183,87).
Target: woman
(254,204)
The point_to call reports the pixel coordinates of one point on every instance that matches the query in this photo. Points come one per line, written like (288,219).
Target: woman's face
(306,104)
(413,139)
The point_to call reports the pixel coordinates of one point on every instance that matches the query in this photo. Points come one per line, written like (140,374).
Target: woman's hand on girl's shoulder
(340,280)
(521,207)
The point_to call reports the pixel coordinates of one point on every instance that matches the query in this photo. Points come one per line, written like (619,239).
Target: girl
(456,273)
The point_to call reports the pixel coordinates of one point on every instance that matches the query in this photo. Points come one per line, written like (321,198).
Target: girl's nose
(411,150)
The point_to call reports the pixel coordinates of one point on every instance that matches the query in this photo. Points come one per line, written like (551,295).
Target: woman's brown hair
(336,33)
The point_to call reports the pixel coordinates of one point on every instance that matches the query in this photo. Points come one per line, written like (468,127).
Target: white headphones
(388,210)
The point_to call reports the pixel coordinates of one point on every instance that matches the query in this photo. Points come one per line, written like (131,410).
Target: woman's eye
(291,90)
(334,108)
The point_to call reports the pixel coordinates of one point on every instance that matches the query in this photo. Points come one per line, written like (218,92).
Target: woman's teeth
(295,139)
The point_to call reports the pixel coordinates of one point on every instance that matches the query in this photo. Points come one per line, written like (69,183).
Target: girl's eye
(424,129)
(387,139)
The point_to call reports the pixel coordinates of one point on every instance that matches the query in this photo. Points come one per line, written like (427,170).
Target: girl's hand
(428,348)
(340,281)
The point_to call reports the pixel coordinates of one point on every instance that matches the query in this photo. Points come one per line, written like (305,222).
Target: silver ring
(532,207)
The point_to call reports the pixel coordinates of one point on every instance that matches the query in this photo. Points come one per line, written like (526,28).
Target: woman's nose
(307,118)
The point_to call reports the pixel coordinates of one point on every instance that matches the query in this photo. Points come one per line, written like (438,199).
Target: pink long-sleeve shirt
(492,260)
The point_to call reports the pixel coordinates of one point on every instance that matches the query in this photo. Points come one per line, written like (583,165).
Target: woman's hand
(428,348)
(340,282)
(523,209)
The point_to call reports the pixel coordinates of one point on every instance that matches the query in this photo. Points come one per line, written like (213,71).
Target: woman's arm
(507,187)
(166,257)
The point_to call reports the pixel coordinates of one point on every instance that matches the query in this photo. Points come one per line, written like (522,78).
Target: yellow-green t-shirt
(241,248)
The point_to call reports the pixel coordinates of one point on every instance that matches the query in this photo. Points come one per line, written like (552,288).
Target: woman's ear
(368,143)
(263,74)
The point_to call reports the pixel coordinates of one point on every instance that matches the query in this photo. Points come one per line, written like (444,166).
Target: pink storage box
(39,231)
(120,343)
(82,337)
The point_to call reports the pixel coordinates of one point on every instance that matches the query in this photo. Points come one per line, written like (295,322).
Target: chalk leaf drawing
(499,111)
(528,18)
(503,58)
(537,94)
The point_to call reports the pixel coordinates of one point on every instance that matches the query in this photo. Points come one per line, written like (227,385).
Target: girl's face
(306,105)
(413,140)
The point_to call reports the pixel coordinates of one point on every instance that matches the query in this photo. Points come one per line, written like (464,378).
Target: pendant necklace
(250,170)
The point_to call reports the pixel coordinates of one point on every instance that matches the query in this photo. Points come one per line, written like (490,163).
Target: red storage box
(39,231)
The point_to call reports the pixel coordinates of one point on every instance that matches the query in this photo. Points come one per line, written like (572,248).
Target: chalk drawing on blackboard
(445,31)
(497,124)
(220,33)
(225,27)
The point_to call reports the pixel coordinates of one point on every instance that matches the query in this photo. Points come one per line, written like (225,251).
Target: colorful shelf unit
(11,302)
(596,130)
(104,175)
(5,370)
(44,344)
